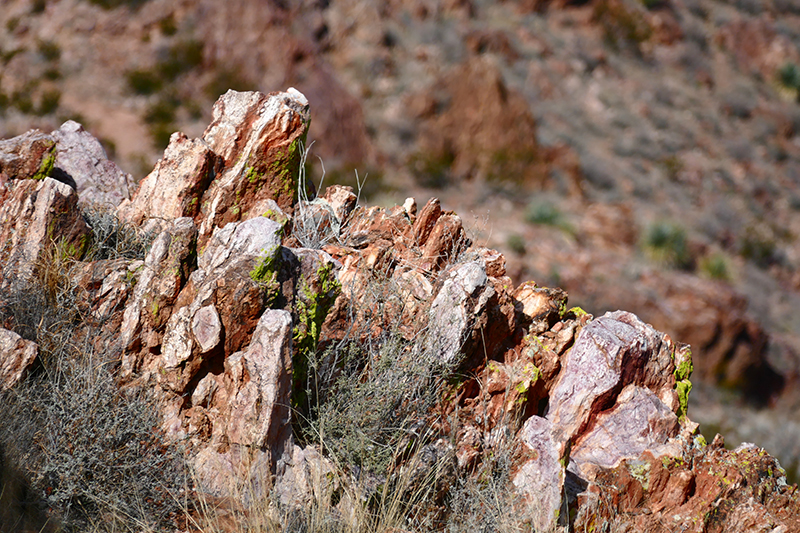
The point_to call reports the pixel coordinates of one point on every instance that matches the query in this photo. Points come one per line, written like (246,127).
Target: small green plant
(516,243)
(667,243)
(49,102)
(144,82)
(789,78)
(228,78)
(715,266)
(49,50)
(433,170)
(168,26)
(181,57)
(757,247)
(160,117)
(621,25)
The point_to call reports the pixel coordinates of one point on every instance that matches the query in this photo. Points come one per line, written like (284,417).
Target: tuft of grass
(516,243)
(93,454)
(144,82)
(113,239)
(666,243)
(715,266)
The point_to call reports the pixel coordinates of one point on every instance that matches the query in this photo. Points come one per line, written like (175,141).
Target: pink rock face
(16,357)
(82,158)
(37,214)
(175,187)
(249,154)
(611,352)
(260,139)
(540,477)
(638,421)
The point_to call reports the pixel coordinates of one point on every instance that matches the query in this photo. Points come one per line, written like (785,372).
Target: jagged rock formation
(222,314)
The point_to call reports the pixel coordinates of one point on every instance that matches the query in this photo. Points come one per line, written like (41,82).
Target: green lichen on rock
(640,471)
(530,375)
(312,308)
(683,388)
(265,273)
(285,168)
(682,359)
(48,162)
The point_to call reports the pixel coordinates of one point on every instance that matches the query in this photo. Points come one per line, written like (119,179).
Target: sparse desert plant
(516,243)
(715,266)
(112,238)
(93,453)
(789,78)
(667,243)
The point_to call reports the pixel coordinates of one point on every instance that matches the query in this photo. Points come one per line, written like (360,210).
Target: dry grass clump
(90,455)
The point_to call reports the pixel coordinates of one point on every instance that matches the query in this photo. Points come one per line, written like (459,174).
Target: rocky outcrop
(227,314)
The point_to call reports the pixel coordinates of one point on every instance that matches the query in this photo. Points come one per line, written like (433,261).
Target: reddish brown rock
(472,131)
(176,185)
(260,139)
(16,357)
(37,215)
(611,352)
(27,156)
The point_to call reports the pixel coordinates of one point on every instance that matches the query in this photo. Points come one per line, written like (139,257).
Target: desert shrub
(789,77)
(49,101)
(228,78)
(143,81)
(160,117)
(715,266)
(516,243)
(49,50)
(484,502)
(181,57)
(94,454)
(112,238)
(667,243)
(113,4)
(758,247)
(433,169)
(543,212)
(622,26)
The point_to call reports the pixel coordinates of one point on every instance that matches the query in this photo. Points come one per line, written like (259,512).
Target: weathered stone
(462,297)
(16,357)
(426,220)
(159,281)
(27,156)
(639,421)
(541,307)
(252,416)
(36,215)
(176,185)
(539,478)
(260,138)
(610,352)
(81,158)
(305,475)
(342,200)
(206,328)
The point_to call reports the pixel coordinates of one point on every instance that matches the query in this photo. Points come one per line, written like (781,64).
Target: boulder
(81,161)
(36,216)
(16,357)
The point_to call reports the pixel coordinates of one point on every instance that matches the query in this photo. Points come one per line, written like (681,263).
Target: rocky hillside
(640,154)
(218,352)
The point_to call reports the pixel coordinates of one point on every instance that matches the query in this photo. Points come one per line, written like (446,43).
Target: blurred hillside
(641,154)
